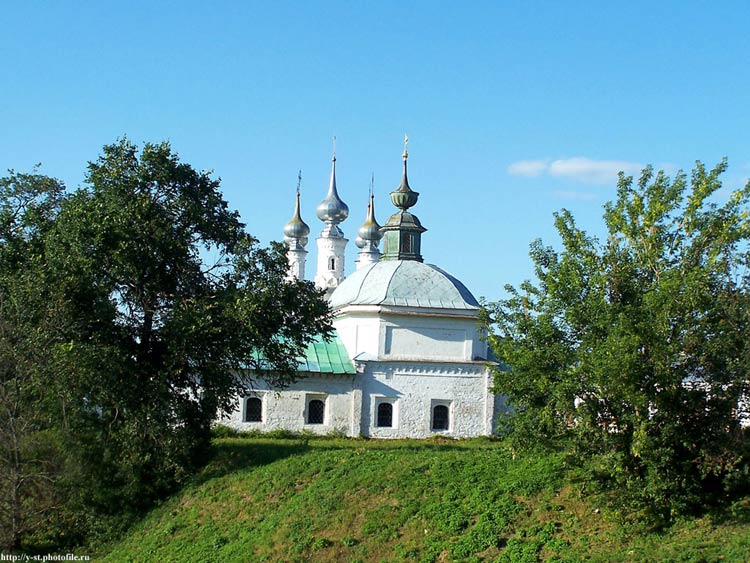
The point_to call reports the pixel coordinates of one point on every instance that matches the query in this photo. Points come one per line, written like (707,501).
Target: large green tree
(156,304)
(637,345)
(30,459)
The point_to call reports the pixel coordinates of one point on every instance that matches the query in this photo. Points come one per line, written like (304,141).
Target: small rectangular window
(385,415)
(440,417)
(254,409)
(316,411)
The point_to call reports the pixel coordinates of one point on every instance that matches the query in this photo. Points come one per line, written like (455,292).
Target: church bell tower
(331,242)
(296,232)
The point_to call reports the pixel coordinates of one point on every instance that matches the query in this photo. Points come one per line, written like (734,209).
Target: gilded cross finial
(406,142)
(334,148)
(299,181)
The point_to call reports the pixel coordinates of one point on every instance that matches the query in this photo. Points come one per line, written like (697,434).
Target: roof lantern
(402,234)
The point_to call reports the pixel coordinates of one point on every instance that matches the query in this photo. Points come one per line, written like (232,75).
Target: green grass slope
(326,500)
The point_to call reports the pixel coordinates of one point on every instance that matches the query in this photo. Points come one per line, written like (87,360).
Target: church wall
(351,404)
(427,342)
(360,335)
(414,390)
(412,337)
(429,338)
(289,409)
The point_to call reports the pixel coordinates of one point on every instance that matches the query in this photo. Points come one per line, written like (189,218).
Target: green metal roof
(327,357)
(322,357)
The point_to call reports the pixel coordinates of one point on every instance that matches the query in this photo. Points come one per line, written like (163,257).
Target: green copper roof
(322,357)
(327,357)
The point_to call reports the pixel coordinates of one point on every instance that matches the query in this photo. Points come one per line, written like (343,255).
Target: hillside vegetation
(304,499)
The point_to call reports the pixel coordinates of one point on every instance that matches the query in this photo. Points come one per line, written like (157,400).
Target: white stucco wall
(360,335)
(351,402)
(413,358)
(287,409)
(330,247)
(410,334)
(296,257)
(415,388)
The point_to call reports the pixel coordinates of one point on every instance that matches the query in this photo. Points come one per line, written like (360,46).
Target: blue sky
(514,110)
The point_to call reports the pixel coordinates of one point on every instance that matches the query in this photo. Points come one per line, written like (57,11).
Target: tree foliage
(145,304)
(30,457)
(637,346)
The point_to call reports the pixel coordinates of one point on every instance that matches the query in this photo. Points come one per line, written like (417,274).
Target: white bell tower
(296,232)
(331,242)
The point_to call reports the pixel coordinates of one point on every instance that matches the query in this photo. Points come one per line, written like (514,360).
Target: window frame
(260,397)
(449,422)
(308,401)
(379,405)
(376,402)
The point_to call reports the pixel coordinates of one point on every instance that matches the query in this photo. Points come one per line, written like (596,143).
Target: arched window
(316,411)
(440,417)
(254,410)
(332,263)
(385,415)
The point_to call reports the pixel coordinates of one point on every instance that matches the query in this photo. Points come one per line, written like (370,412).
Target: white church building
(407,358)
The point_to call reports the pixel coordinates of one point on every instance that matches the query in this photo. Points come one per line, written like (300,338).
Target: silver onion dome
(296,228)
(332,210)
(370,230)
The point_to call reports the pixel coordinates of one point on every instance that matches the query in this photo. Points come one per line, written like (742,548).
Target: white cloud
(530,168)
(592,171)
(579,168)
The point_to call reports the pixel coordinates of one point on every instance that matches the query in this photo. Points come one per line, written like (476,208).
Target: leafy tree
(166,331)
(637,346)
(154,304)
(30,459)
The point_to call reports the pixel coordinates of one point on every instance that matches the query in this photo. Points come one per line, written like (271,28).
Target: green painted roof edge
(327,357)
(324,357)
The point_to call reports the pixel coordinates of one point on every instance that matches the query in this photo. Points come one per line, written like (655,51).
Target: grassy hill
(324,500)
